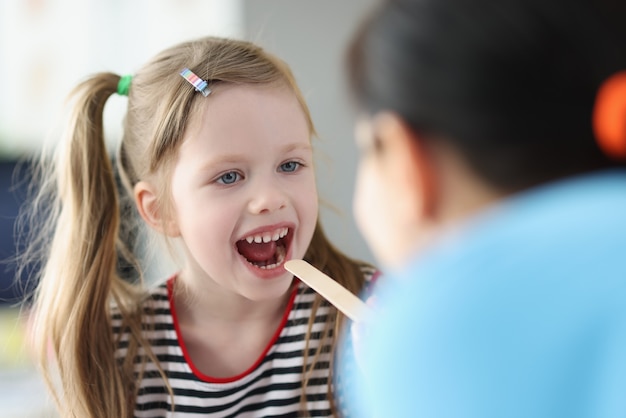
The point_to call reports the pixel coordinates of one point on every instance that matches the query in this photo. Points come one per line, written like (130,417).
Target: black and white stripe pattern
(271,389)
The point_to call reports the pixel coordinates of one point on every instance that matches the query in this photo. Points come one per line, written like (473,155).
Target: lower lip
(267,274)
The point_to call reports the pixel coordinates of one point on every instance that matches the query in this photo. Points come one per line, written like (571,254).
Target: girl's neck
(214,303)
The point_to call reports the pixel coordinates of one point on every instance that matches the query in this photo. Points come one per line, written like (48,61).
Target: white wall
(47,46)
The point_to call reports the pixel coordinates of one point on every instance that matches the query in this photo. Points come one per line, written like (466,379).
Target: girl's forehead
(247,118)
(243,105)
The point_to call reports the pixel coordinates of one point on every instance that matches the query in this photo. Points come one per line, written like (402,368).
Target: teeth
(268,236)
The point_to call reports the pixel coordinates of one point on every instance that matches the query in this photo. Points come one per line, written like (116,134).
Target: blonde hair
(80,277)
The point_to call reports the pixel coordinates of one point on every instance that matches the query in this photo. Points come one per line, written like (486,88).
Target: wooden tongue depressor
(353,307)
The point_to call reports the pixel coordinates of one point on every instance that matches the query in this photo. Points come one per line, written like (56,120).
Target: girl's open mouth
(266,250)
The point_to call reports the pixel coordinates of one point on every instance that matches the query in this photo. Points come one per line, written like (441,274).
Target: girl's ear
(150,211)
(411,168)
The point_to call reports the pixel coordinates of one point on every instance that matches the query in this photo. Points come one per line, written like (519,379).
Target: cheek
(374,210)
(205,222)
(306,202)
(369,210)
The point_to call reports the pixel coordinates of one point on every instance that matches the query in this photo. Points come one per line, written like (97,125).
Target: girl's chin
(265,289)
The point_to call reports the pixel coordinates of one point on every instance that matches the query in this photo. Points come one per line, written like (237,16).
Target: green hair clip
(124,85)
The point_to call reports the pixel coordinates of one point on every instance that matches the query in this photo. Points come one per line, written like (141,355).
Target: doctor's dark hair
(510,84)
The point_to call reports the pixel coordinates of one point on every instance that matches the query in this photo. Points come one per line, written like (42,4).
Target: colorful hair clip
(199,84)
(609,116)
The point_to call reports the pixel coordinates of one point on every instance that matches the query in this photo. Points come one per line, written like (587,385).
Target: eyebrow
(235,158)
(297,145)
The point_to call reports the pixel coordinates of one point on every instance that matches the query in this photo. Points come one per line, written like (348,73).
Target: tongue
(257,252)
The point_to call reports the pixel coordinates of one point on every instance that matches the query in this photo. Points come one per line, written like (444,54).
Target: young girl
(216,155)
(492,188)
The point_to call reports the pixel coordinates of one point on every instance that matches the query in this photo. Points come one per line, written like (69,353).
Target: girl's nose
(267,197)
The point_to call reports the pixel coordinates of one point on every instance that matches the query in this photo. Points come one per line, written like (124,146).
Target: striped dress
(270,388)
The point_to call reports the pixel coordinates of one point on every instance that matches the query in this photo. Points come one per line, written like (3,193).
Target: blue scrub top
(522,313)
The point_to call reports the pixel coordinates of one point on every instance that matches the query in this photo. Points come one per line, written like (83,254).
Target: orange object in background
(609,116)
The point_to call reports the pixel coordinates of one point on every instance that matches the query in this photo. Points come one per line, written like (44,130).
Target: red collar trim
(210,379)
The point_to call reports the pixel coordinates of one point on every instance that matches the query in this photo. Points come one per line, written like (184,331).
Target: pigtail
(72,325)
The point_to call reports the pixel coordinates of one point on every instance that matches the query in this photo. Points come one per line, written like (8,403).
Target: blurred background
(47,46)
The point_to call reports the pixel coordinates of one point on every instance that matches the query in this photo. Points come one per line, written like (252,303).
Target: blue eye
(229,178)
(290,166)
